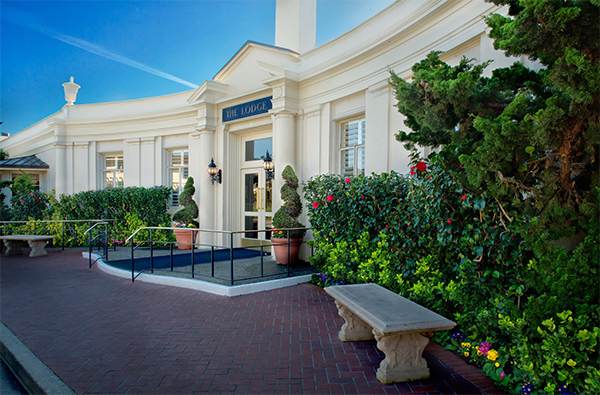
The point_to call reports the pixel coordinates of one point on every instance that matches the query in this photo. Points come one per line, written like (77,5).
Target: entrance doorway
(258,203)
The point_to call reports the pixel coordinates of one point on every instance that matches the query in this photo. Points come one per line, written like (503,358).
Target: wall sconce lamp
(269,167)
(215,174)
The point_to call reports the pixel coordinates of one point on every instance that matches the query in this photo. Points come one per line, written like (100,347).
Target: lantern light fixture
(269,167)
(215,174)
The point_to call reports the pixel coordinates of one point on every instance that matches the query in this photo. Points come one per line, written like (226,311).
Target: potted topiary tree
(285,218)
(185,219)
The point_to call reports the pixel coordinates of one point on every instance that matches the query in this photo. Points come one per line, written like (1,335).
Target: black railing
(227,242)
(98,234)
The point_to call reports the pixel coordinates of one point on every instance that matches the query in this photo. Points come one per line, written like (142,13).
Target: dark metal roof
(25,162)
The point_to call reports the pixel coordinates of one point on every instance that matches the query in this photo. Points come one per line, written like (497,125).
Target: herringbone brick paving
(103,334)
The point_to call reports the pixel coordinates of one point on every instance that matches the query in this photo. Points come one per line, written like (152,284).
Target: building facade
(321,110)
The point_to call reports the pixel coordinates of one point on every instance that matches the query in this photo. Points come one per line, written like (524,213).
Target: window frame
(354,149)
(170,166)
(105,170)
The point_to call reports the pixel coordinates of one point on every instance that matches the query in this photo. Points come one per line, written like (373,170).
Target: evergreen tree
(528,138)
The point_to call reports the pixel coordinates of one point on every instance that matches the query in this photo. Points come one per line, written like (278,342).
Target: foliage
(129,207)
(189,213)
(26,201)
(285,217)
(529,139)
(456,251)
(522,148)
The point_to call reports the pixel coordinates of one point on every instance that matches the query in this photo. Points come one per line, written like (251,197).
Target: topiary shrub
(189,213)
(286,216)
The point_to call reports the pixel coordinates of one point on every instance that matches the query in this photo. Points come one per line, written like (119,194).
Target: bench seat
(399,326)
(36,242)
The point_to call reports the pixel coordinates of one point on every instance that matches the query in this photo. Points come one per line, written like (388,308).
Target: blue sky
(123,50)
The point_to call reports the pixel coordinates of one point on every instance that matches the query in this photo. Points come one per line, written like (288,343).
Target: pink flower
(464,197)
(421,166)
(502,375)
(347,181)
(315,204)
(329,198)
(449,221)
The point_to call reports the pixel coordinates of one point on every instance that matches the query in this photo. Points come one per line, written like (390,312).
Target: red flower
(429,178)
(449,221)
(421,166)
(329,198)
(460,166)
(464,197)
(362,197)
(412,171)
(347,181)
(387,226)
(20,200)
(315,204)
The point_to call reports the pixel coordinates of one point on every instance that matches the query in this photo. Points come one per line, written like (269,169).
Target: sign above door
(248,109)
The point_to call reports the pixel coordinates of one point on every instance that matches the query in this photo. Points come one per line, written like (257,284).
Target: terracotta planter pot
(185,238)
(281,250)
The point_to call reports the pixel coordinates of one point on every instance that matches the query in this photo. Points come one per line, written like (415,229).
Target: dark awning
(24,162)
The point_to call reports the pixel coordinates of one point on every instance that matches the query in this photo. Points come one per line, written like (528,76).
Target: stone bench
(36,242)
(399,326)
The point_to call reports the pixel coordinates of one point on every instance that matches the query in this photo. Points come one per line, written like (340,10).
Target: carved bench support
(355,328)
(403,357)
(38,248)
(13,247)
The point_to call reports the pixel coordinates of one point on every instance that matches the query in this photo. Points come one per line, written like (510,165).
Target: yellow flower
(497,364)
(466,354)
(492,355)
(466,345)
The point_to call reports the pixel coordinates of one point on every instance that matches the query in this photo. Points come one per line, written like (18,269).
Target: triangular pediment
(252,64)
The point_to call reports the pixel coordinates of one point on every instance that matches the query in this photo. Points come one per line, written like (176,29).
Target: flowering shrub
(460,254)
(29,205)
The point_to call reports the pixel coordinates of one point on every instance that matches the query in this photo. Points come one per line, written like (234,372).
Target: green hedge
(528,323)
(131,208)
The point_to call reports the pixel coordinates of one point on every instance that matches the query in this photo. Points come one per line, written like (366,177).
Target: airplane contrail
(29,21)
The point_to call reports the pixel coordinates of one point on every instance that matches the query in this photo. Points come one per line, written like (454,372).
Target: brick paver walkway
(103,334)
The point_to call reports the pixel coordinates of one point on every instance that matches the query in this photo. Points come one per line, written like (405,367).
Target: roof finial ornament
(71,89)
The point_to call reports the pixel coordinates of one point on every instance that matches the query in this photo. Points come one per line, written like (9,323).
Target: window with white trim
(352,148)
(178,173)
(113,174)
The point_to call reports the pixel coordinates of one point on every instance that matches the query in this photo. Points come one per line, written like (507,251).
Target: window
(257,149)
(352,150)
(178,173)
(112,172)
(35,178)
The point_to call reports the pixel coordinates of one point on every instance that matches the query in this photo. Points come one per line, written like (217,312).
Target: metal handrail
(96,224)
(151,242)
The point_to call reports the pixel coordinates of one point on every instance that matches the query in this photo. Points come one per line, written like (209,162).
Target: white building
(322,110)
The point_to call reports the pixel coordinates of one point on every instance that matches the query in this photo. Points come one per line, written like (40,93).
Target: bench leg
(403,357)
(355,328)
(38,248)
(13,247)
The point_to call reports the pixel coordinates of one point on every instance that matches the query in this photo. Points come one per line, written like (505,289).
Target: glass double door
(258,203)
